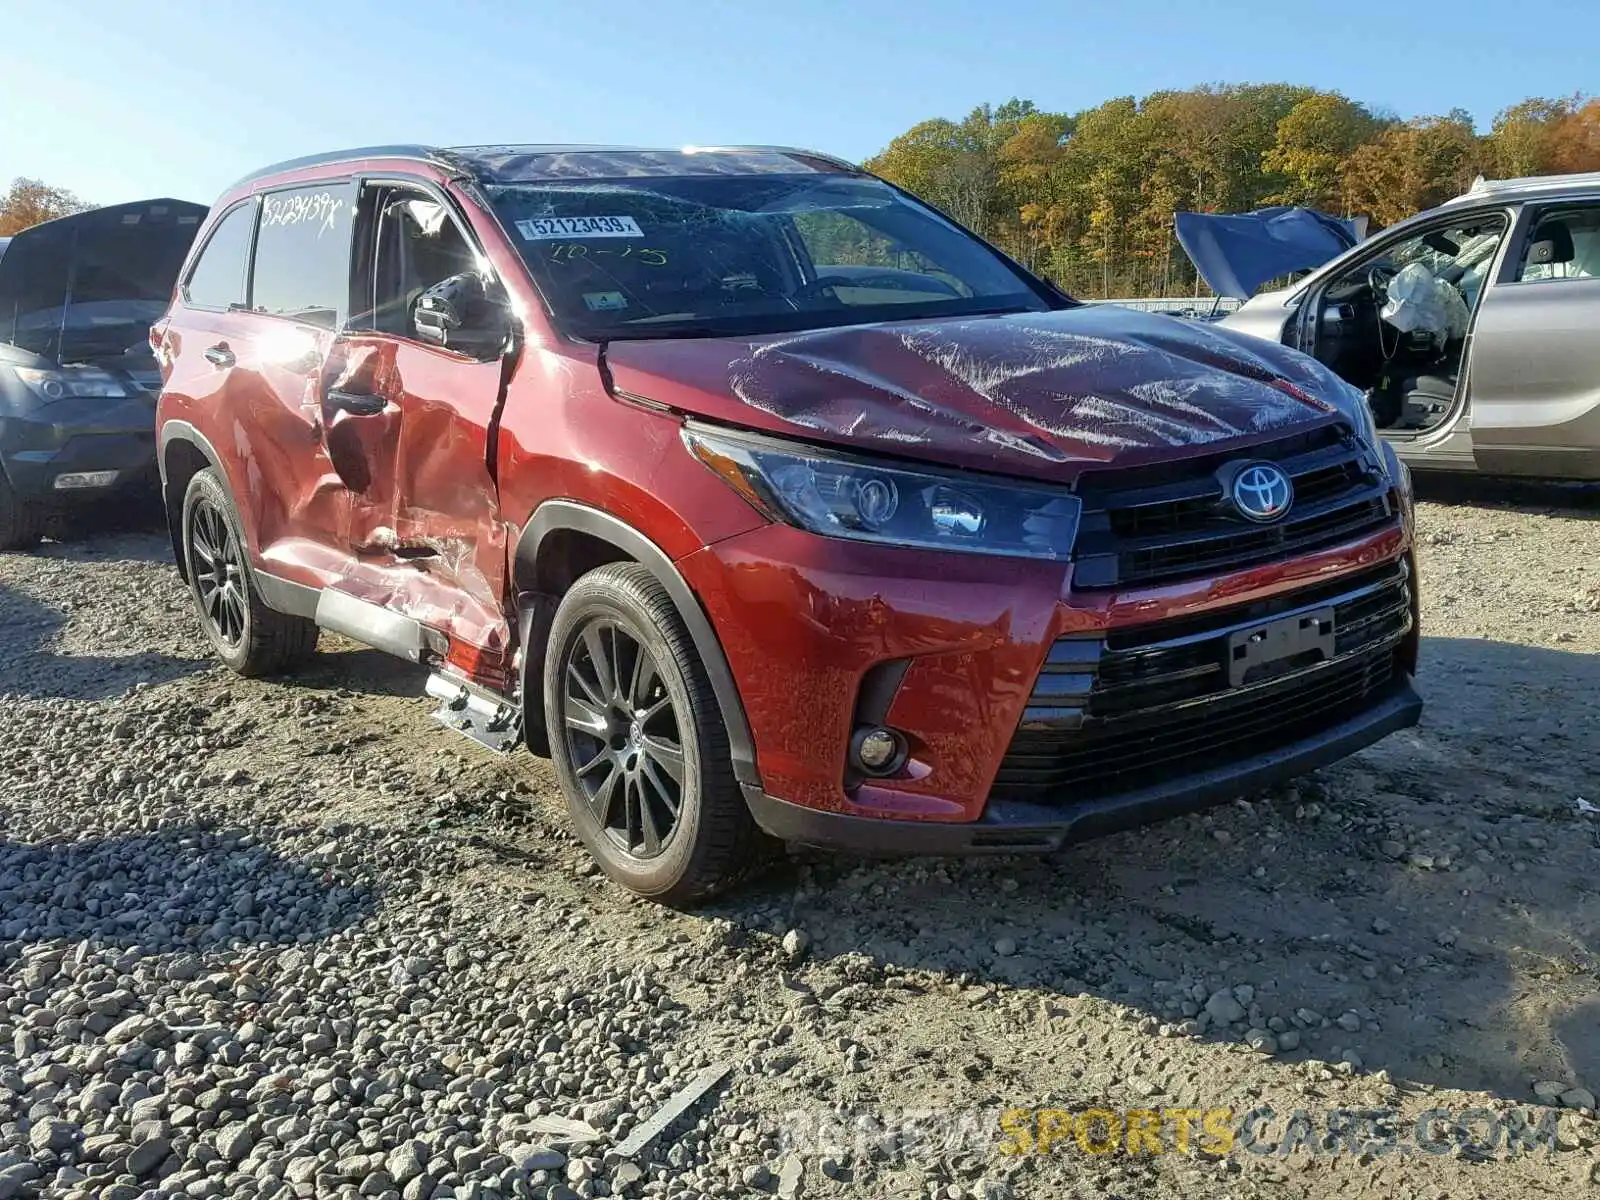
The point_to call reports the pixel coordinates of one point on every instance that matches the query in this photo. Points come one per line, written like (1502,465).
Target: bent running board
(488,718)
(485,716)
(370,624)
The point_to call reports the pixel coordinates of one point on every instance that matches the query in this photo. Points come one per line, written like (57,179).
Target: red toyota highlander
(771,504)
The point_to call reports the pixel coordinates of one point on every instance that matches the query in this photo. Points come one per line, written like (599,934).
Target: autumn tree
(1028,205)
(1088,198)
(1521,140)
(972,169)
(1311,145)
(1100,172)
(31,201)
(1413,166)
(950,164)
(1223,133)
(1574,143)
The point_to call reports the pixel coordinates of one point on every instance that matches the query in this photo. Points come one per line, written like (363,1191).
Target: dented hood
(1042,394)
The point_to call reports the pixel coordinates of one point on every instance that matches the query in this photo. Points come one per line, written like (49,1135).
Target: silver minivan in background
(1474,328)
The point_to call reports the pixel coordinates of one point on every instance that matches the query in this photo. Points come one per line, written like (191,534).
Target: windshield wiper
(639,333)
(803,321)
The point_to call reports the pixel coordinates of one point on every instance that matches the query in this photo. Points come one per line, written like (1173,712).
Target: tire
(617,733)
(249,637)
(21,523)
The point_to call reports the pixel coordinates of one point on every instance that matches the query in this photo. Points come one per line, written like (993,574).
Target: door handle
(220,356)
(357,404)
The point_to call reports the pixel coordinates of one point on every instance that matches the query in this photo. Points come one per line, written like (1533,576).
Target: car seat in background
(418,247)
(1585,262)
(1550,252)
(1412,401)
(1427,398)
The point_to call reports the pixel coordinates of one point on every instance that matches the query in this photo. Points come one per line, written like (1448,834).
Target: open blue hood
(1237,252)
(92,283)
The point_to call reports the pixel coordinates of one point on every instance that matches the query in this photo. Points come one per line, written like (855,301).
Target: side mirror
(460,314)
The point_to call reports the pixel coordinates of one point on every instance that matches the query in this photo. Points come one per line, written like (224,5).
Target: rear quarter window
(302,259)
(217,279)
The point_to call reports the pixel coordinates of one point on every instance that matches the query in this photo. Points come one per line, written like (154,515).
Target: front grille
(1174,521)
(1155,703)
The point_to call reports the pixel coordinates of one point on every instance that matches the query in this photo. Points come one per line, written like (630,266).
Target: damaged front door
(409,425)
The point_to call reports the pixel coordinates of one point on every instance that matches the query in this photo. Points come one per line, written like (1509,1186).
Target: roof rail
(827,158)
(1482,188)
(427,154)
(459,157)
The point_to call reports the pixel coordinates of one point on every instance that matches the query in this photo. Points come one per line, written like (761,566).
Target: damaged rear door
(409,423)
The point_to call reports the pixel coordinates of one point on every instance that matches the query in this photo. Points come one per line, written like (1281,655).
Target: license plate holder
(1277,647)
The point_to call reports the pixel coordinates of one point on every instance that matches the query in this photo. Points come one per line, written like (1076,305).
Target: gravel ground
(295,940)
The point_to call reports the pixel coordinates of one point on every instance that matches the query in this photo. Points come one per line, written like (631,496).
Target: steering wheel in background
(1379,276)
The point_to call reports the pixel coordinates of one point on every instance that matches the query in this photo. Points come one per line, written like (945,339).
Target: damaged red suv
(771,504)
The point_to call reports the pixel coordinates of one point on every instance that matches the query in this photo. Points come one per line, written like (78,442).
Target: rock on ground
(290,939)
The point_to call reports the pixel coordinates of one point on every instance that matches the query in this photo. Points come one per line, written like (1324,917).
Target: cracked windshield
(720,253)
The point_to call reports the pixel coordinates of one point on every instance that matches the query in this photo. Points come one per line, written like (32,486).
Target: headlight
(1399,473)
(1354,405)
(1360,414)
(1321,382)
(65,382)
(869,501)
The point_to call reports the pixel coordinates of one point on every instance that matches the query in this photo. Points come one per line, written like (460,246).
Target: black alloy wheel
(248,636)
(219,577)
(623,738)
(639,744)
(21,526)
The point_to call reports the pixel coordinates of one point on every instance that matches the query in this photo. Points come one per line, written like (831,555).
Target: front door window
(417,246)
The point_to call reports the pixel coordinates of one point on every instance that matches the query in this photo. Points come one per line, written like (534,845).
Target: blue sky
(121,100)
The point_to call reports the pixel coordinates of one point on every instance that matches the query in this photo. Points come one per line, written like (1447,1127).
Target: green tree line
(1087,198)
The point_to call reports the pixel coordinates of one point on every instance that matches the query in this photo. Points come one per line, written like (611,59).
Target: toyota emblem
(1262,492)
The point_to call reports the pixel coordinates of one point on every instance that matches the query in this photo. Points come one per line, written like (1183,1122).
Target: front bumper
(977,663)
(79,437)
(809,625)
(1013,827)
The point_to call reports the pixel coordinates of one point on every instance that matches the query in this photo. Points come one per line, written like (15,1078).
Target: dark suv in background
(78,381)
(768,502)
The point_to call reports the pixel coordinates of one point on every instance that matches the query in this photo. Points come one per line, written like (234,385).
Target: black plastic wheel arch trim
(535,612)
(182,431)
(554,515)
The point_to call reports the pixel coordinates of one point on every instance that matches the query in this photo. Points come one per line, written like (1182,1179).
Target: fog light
(877,751)
(85,479)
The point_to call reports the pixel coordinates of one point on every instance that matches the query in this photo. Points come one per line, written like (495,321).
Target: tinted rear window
(302,263)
